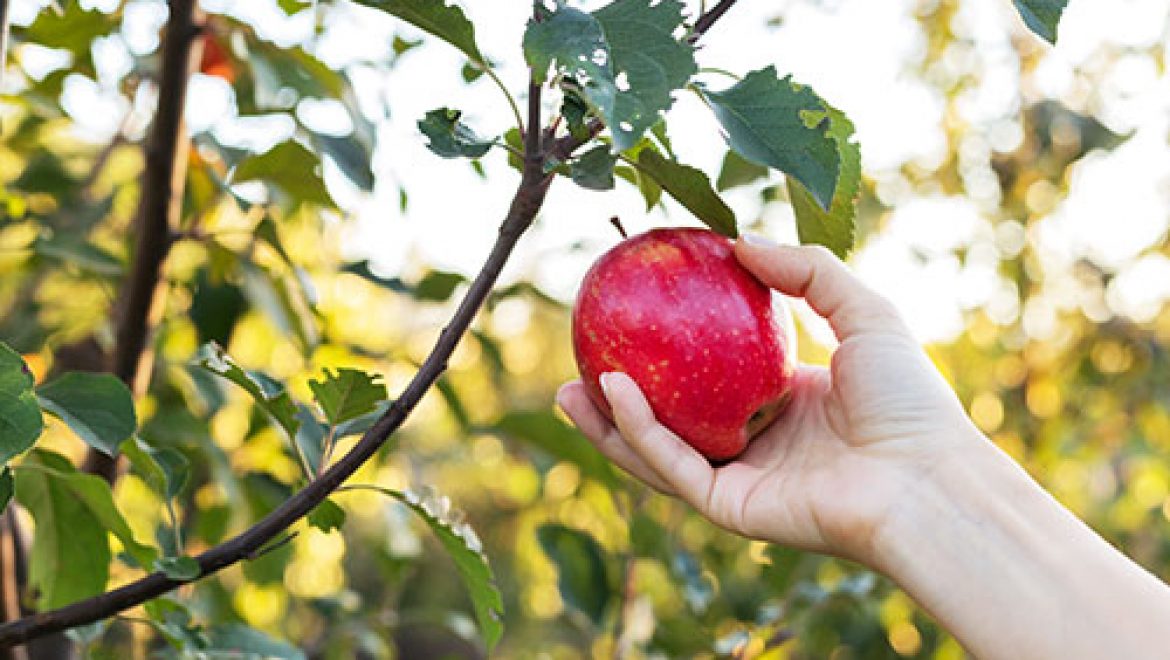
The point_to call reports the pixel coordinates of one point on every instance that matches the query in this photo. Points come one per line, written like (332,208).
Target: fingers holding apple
(825,282)
(573,399)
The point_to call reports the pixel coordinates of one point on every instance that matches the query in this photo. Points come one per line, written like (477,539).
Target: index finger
(831,289)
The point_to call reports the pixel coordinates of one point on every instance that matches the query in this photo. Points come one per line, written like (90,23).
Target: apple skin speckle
(674,310)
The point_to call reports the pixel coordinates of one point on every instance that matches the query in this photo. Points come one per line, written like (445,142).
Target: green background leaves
(20,415)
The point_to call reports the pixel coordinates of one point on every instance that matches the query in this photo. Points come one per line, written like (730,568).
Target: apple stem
(617,222)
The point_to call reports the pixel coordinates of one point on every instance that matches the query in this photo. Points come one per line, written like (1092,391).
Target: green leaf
(291,7)
(438,286)
(347,393)
(691,188)
(465,549)
(1042,16)
(543,429)
(73,511)
(236,640)
(581,575)
(575,110)
(97,407)
(268,395)
(451,138)
(594,169)
(183,569)
(7,487)
(173,621)
(738,171)
(73,29)
(327,516)
(164,469)
(79,252)
(360,425)
(293,169)
(446,22)
(834,228)
(775,122)
(310,438)
(351,156)
(624,56)
(21,422)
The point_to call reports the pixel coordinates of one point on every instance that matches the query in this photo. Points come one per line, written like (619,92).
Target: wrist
(968,480)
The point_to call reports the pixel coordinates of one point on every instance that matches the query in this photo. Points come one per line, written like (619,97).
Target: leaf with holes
(97,407)
(451,138)
(775,122)
(649,63)
(692,189)
(21,421)
(834,228)
(624,59)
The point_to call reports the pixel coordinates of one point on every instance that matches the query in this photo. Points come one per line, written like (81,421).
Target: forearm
(1012,573)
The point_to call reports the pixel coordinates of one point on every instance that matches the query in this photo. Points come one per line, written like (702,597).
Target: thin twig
(8,564)
(159,207)
(708,19)
(3,40)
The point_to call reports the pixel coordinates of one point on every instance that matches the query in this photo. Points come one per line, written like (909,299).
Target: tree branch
(709,18)
(3,39)
(526,203)
(158,213)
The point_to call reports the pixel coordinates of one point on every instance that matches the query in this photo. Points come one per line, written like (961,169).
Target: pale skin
(875,460)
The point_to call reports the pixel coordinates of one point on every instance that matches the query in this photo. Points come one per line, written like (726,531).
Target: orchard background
(1012,200)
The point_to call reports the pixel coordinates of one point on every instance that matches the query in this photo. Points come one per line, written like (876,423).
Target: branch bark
(158,213)
(709,18)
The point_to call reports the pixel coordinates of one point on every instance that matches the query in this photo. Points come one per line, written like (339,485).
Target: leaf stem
(487,68)
(170,504)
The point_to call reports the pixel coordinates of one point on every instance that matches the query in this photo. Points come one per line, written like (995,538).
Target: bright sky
(858,54)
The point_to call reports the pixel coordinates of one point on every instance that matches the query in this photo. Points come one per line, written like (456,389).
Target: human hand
(829,473)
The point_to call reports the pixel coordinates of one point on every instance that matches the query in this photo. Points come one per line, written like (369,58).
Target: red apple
(674,310)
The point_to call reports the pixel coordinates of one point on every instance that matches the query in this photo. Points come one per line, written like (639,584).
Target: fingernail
(603,380)
(758,241)
(560,397)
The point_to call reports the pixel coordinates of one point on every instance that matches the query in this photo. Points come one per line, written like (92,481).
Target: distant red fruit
(216,61)
(675,310)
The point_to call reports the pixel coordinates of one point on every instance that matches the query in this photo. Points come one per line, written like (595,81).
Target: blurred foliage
(587,563)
